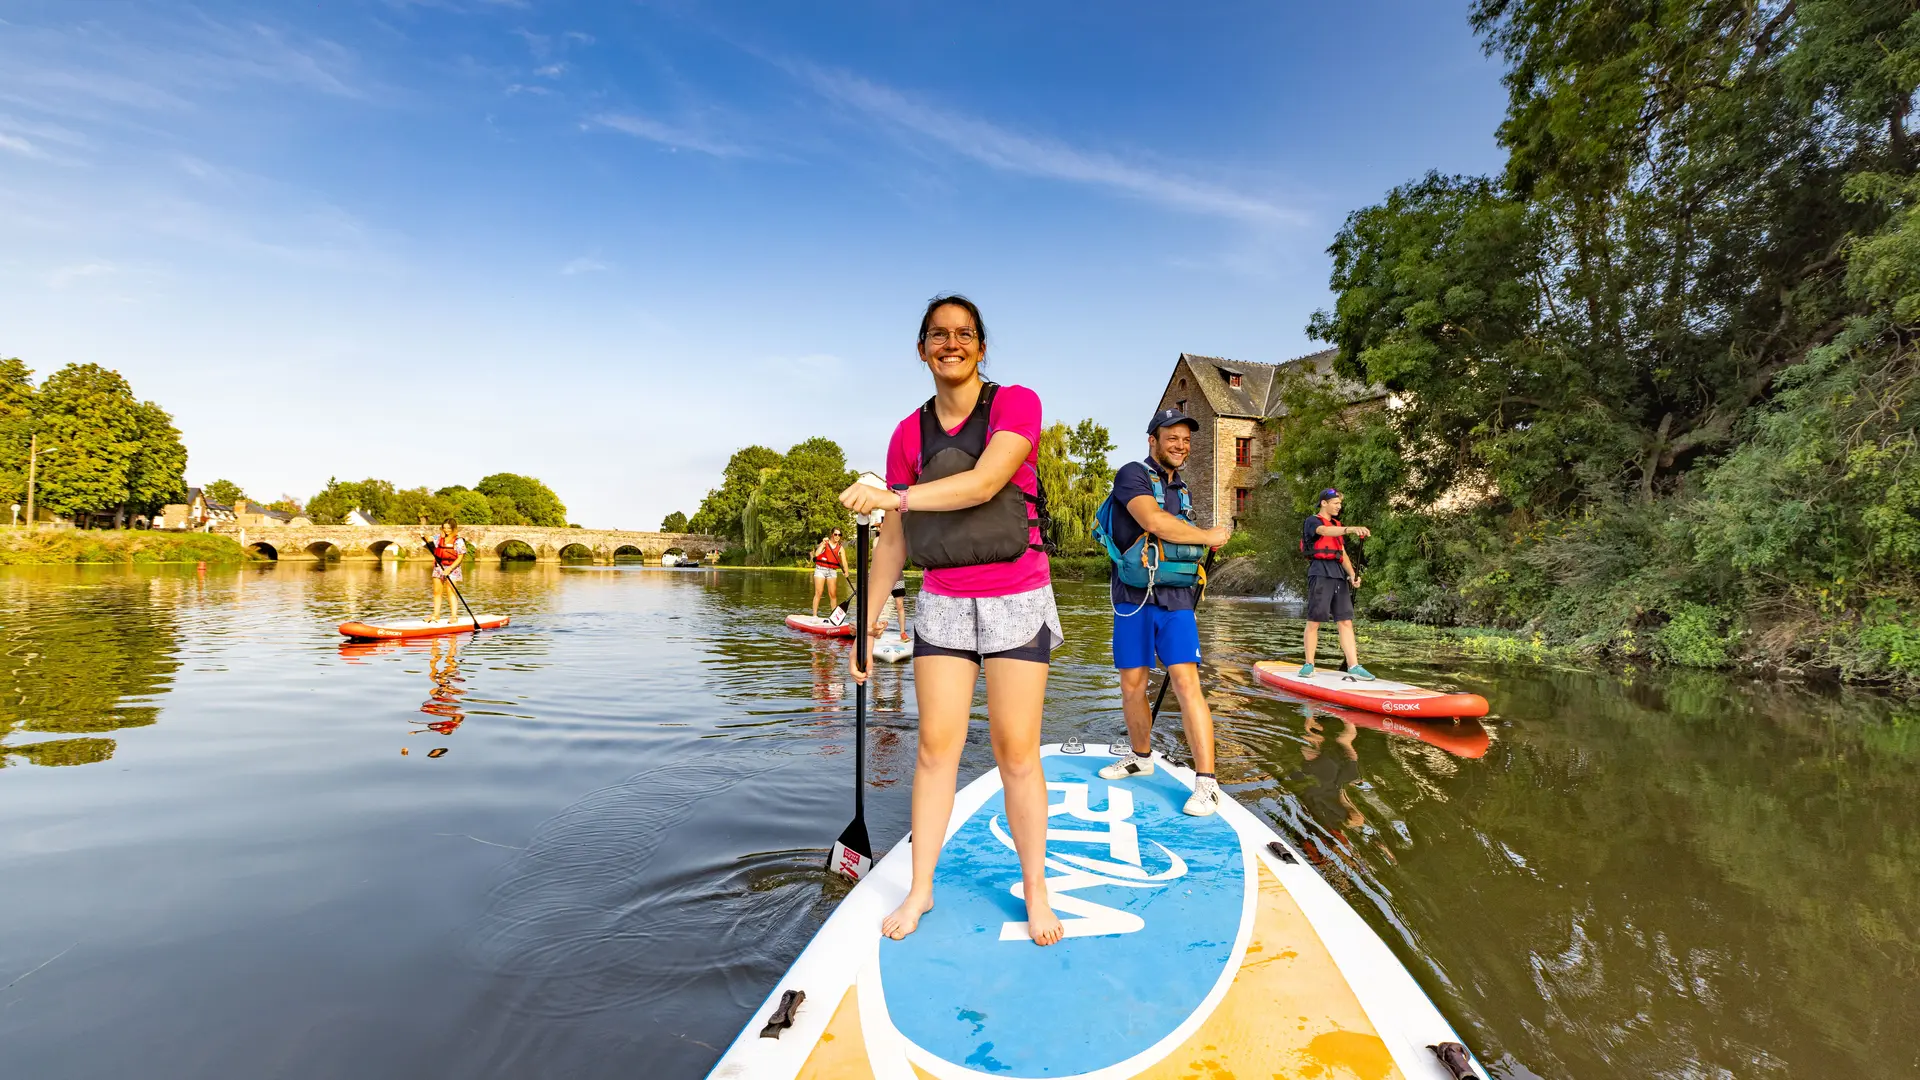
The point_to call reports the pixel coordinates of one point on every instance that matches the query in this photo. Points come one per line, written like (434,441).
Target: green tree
(106,449)
(720,511)
(1076,478)
(799,502)
(287,504)
(675,522)
(17,408)
(224,492)
(468,507)
(332,504)
(157,474)
(408,506)
(518,500)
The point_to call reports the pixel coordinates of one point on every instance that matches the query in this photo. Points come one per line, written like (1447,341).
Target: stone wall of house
(1233,475)
(1184,393)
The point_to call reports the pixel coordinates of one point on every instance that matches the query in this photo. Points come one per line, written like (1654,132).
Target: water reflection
(88,656)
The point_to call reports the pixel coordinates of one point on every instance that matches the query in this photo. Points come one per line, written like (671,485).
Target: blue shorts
(1173,635)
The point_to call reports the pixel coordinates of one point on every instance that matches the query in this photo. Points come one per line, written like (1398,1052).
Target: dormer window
(1232,377)
(1233,380)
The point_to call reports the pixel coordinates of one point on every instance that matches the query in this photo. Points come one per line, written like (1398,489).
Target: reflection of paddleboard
(813,624)
(1379,696)
(892,650)
(416,628)
(1191,949)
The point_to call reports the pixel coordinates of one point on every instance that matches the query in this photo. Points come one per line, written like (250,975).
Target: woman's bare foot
(906,918)
(1042,924)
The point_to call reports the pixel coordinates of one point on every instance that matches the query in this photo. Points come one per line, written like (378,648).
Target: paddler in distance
(829,556)
(448,551)
(1331,580)
(1147,529)
(963,496)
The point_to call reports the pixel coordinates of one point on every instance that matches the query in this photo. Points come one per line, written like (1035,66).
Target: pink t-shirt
(1015,409)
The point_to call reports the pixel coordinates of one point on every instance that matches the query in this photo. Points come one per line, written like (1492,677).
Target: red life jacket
(1328,548)
(445,556)
(829,557)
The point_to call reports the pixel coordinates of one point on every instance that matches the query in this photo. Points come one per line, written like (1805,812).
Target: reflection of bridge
(504,541)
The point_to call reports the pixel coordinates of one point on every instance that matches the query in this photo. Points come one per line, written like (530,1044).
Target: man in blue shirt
(1161,622)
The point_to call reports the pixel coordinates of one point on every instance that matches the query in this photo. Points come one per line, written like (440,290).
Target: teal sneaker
(1361,673)
(1306,671)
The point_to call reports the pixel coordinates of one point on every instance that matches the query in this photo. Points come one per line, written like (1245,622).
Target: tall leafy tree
(224,492)
(332,504)
(17,407)
(90,436)
(799,502)
(468,507)
(157,474)
(520,500)
(675,522)
(720,511)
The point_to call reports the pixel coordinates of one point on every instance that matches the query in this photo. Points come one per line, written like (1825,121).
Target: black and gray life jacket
(995,531)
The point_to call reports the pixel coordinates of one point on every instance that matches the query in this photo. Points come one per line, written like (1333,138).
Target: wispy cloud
(551,71)
(676,138)
(18,145)
(68,275)
(914,121)
(583,265)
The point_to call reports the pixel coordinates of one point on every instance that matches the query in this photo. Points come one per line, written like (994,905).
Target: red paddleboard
(814,624)
(417,628)
(1383,696)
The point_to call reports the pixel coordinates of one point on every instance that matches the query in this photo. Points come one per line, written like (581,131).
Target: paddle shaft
(861,659)
(431,546)
(1154,716)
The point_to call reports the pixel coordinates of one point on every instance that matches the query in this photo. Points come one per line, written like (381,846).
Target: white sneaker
(1129,765)
(1206,797)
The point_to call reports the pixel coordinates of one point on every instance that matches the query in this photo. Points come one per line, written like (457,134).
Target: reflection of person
(443,701)
(962,469)
(1331,580)
(1159,621)
(448,550)
(1331,769)
(828,558)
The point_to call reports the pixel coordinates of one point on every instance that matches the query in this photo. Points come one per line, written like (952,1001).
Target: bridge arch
(576,552)
(628,551)
(386,549)
(264,550)
(324,550)
(515,550)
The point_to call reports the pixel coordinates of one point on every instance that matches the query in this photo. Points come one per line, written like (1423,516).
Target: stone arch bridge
(491,541)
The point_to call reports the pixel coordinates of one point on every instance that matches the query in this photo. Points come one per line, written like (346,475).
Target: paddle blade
(852,854)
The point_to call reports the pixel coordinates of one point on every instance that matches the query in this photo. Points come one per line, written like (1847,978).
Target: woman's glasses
(965,336)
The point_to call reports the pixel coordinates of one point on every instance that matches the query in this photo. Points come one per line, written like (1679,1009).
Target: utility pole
(33,474)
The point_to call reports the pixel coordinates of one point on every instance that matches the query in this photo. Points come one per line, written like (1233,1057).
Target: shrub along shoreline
(55,547)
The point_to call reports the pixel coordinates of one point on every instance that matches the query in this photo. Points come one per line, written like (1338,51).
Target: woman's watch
(902,489)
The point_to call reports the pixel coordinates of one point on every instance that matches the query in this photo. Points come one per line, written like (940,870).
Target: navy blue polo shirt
(1130,483)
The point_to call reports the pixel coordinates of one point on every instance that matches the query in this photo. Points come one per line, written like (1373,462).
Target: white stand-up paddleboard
(413,628)
(1191,949)
(891,649)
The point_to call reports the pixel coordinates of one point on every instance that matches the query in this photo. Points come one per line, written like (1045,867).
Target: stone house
(1233,400)
(249,514)
(197,513)
(361,518)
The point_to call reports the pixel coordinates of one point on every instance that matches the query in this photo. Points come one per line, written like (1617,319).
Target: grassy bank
(52,547)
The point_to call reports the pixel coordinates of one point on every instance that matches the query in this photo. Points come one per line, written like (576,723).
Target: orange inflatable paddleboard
(1383,696)
(418,628)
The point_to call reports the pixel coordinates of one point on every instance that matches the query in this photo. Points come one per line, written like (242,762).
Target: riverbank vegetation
(775,507)
(47,547)
(499,499)
(1652,387)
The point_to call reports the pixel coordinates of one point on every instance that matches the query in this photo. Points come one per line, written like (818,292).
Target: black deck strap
(1283,853)
(783,1016)
(1456,1060)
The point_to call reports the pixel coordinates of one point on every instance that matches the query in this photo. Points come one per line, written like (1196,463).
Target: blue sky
(608,243)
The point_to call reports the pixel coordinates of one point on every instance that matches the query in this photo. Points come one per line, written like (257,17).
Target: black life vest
(997,530)
(1325,548)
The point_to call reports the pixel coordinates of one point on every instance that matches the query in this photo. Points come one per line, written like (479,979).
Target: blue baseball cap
(1171,416)
(1330,493)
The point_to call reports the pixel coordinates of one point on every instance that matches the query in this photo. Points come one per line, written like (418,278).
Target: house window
(1243,452)
(1181,404)
(1239,501)
(1233,380)
(1183,382)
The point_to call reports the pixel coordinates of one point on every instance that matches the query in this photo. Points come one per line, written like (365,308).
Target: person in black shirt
(1331,580)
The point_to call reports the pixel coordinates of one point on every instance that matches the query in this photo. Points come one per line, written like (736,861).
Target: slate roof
(1257,397)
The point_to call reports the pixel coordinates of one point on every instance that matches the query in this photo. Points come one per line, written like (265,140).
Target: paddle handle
(861,659)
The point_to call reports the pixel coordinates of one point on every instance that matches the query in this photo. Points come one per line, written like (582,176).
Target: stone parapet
(489,541)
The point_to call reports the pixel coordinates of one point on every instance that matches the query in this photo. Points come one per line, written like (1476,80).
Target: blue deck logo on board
(1151,899)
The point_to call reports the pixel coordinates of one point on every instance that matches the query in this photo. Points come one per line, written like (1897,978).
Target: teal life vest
(1152,561)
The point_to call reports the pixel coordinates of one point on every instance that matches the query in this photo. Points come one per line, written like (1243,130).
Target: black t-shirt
(1130,483)
(1309,532)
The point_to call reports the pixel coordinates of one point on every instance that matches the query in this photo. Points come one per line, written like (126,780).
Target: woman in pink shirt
(965,498)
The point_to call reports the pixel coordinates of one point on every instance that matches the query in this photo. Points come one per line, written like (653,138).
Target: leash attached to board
(1154,717)
(852,854)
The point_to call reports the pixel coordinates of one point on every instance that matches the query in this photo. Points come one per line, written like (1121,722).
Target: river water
(586,845)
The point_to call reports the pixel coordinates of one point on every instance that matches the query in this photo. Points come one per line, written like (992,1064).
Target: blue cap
(1330,493)
(1171,416)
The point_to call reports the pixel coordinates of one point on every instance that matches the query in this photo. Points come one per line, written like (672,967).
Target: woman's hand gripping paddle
(852,854)
(1154,716)
(435,550)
